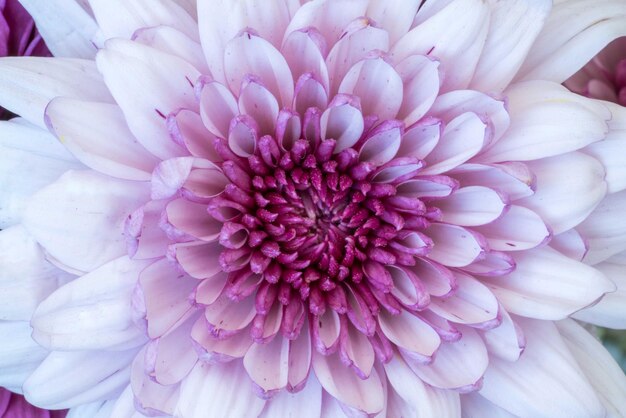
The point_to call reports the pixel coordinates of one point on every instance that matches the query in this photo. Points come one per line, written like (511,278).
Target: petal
(20,355)
(463,138)
(214,350)
(343,122)
(571,244)
(410,333)
(562,48)
(97,134)
(528,388)
(79,219)
(268,365)
(30,158)
(455,35)
(505,341)
(305,404)
(599,367)
(258,102)
(472,206)
(458,365)
(119,19)
(209,390)
(358,39)
(147,91)
(382,143)
(198,259)
(604,231)
(513,179)
(517,229)
(564,200)
(344,385)
(191,218)
(226,318)
(475,406)
(305,50)
(377,84)
(610,312)
(65,26)
(422,399)
(220,21)
(513,28)
(186,128)
(70,378)
(166,293)
(217,107)
(454,246)
(150,396)
(92,312)
(548,285)
(395,16)
(421,79)
(26,277)
(248,54)
(27,84)
(547,120)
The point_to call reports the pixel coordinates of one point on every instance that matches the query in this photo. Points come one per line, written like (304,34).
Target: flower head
(316,207)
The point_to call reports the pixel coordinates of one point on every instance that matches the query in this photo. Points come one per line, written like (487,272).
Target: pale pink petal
(300,356)
(226,318)
(356,352)
(248,54)
(198,259)
(344,385)
(80,218)
(147,93)
(411,334)
(166,294)
(343,122)
(211,349)
(377,84)
(547,120)
(117,18)
(258,102)
(305,404)
(514,179)
(144,236)
(92,312)
(268,365)
(604,231)
(191,218)
(602,371)
(506,341)
(571,244)
(395,16)
(472,206)
(513,28)
(528,388)
(20,355)
(561,199)
(71,378)
(150,396)
(382,143)
(209,390)
(455,35)
(562,48)
(610,311)
(305,51)
(421,79)
(455,246)
(458,365)
(60,77)
(548,285)
(517,229)
(97,134)
(475,406)
(421,138)
(187,129)
(217,107)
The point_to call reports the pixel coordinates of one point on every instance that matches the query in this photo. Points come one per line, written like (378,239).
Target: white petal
(26,277)
(65,26)
(604,230)
(410,333)
(513,27)
(569,187)
(599,367)
(92,312)
(506,340)
(458,365)
(424,400)
(547,120)
(267,364)
(472,206)
(548,285)
(216,390)
(97,134)
(304,404)
(147,85)
(395,16)
(66,379)
(455,35)
(528,388)
(27,84)
(220,21)
(421,86)
(30,158)
(454,246)
(517,229)
(571,244)
(79,219)
(344,385)
(98,409)
(118,18)
(19,353)
(150,395)
(513,179)
(475,406)
(574,32)
(610,312)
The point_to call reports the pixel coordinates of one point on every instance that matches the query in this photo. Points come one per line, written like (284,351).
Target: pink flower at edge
(324,208)
(13,405)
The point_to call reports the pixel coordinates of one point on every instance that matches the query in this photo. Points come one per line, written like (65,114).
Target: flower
(324,209)
(604,77)
(14,405)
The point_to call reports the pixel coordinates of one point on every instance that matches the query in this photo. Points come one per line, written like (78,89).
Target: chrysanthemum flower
(361,208)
